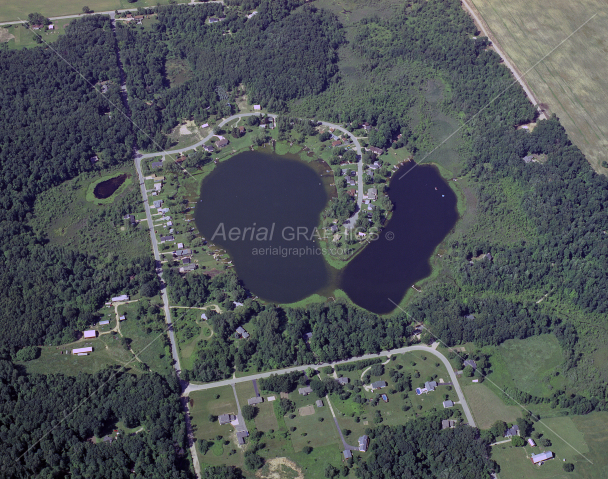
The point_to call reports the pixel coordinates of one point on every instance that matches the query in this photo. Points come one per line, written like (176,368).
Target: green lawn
(486,406)
(24,37)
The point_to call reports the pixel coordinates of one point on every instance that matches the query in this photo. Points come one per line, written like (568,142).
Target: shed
(82,350)
(257,107)
(122,297)
(542,457)
(90,334)
(204,317)
(447,404)
(347,454)
(305,391)
(336,143)
(531,442)
(319,403)
(123,317)
(106,321)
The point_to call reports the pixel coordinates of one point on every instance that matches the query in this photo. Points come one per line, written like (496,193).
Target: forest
(44,432)
(46,138)
(279,54)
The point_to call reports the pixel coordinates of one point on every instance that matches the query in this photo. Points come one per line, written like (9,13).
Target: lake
(263,208)
(262,199)
(425,212)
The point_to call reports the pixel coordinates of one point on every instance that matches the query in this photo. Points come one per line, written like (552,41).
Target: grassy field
(585,434)
(17,36)
(486,406)
(569,81)
(528,364)
(10,11)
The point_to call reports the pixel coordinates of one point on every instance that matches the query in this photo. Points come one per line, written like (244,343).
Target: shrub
(568,467)
(517,441)
(27,354)
(249,412)
(307,450)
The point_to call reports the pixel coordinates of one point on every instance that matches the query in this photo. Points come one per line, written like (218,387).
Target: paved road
(461,399)
(481,24)
(109,12)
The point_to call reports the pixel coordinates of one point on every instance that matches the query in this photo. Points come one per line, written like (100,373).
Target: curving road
(461,399)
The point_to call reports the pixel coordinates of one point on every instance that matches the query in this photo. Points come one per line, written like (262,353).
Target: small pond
(107,188)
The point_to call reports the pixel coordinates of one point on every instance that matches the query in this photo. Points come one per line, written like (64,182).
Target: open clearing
(280,468)
(570,81)
(587,434)
(487,407)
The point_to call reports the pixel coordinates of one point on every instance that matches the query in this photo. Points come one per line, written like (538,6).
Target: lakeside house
(372,194)
(208,148)
(222,143)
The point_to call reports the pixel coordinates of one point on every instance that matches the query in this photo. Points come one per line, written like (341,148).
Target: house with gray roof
(363,443)
(240,437)
(226,418)
(164,239)
(430,385)
(157,203)
(319,403)
(156,164)
(305,391)
(242,333)
(512,431)
(255,400)
(470,362)
(347,454)
(378,385)
(343,380)
(448,404)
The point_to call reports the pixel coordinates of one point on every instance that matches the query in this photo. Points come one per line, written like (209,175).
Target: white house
(90,334)
(82,350)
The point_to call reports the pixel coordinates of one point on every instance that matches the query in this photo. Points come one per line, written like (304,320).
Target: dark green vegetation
(303,65)
(39,408)
(339,331)
(54,289)
(420,448)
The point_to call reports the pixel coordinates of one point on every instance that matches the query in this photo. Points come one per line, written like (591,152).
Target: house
(430,385)
(123,317)
(469,316)
(352,192)
(157,204)
(222,143)
(242,333)
(336,143)
(257,107)
(158,186)
(206,125)
(372,194)
(123,297)
(528,158)
(104,322)
(237,304)
(470,362)
(180,245)
(542,457)
(448,424)
(37,27)
(156,164)
(213,19)
(347,454)
(186,261)
(255,400)
(208,148)
(188,267)
(182,252)
(226,418)
(319,403)
(82,350)
(379,385)
(363,443)
(448,404)
(204,317)
(164,239)
(131,218)
(240,436)
(343,381)
(512,431)
(531,442)
(169,223)
(305,391)
(241,130)
(376,151)
(367,126)
(90,334)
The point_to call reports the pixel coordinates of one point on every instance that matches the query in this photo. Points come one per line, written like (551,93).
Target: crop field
(569,81)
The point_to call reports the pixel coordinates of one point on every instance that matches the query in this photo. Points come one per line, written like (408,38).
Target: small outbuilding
(82,350)
(319,403)
(542,457)
(448,404)
(347,454)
